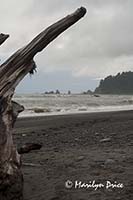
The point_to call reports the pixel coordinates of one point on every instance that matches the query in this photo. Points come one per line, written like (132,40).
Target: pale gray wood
(11,73)
(3,37)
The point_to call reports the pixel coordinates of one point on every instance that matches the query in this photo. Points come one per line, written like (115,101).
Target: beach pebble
(97,133)
(55,198)
(41,110)
(79,158)
(113,133)
(38,110)
(109,162)
(82,109)
(26,148)
(77,139)
(105,140)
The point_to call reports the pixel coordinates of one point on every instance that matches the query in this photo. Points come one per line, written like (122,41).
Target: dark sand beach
(79,147)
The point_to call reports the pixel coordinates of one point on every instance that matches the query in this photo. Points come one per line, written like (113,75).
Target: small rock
(26,148)
(38,110)
(55,198)
(41,110)
(109,162)
(96,95)
(82,109)
(23,135)
(58,109)
(113,133)
(105,140)
(77,139)
(80,158)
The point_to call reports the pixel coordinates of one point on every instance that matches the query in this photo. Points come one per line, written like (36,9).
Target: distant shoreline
(108,109)
(72,114)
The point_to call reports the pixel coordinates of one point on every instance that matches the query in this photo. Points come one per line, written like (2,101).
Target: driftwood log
(26,148)
(11,73)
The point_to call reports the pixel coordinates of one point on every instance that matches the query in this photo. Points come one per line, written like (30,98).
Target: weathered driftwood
(3,37)
(11,73)
(26,148)
(31,165)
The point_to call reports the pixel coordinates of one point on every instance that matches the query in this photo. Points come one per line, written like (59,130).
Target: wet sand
(87,148)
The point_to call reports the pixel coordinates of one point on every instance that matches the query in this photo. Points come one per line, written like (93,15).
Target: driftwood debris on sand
(12,71)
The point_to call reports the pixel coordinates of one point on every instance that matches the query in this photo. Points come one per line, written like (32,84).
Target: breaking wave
(39,104)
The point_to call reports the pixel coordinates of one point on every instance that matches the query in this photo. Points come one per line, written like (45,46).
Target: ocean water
(42,104)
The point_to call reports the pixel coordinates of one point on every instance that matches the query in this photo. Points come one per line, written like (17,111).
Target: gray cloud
(98,45)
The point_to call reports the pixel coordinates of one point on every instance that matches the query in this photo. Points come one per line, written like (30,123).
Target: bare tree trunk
(11,73)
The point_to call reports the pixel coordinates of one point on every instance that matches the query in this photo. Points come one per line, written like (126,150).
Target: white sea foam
(74,103)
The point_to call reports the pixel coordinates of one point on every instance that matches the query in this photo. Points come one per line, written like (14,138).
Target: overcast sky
(98,45)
